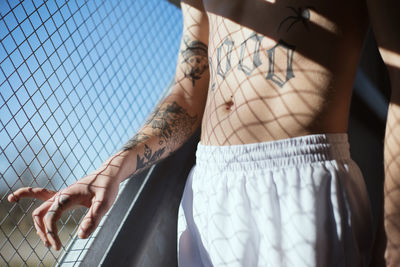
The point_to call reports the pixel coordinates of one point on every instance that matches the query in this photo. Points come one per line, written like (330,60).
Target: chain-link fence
(77,78)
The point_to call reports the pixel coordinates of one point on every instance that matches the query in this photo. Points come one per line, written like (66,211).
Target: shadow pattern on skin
(87,192)
(237,60)
(392,185)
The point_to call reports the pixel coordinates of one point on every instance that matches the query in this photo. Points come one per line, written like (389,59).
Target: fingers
(46,216)
(92,218)
(60,203)
(50,219)
(37,216)
(29,192)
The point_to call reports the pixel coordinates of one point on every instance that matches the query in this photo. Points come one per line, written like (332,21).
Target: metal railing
(77,78)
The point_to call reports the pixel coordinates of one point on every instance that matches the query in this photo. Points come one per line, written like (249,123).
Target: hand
(96,191)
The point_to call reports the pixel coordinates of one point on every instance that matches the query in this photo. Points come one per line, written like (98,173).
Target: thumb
(92,218)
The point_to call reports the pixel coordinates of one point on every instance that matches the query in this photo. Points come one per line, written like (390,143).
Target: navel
(229,104)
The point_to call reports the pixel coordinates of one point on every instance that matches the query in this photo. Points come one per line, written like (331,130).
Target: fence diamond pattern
(77,78)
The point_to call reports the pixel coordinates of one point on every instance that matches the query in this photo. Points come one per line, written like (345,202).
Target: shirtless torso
(279,70)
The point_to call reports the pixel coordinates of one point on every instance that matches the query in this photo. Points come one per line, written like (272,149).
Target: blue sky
(77,79)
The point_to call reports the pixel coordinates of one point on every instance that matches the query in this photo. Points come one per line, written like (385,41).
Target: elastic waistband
(280,153)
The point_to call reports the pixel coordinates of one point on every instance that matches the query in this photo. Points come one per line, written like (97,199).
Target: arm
(168,127)
(385,22)
(179,115)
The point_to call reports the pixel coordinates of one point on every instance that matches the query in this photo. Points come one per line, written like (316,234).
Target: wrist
(113,167)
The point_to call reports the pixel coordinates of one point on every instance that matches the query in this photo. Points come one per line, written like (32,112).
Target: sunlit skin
(277,69)
(385,20)
(96,191)
(324,60)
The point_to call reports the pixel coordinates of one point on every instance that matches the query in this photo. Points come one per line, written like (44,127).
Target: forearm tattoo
(148,158)
(195,60)
(172,125)
(134,141)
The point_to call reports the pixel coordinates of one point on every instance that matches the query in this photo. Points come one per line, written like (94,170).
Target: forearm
(170,125)
(179,114)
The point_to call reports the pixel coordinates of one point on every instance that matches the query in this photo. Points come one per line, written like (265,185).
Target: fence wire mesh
(77,78)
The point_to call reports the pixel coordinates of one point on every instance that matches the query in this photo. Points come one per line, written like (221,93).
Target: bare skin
(280,70)
(251,71)
(384,19)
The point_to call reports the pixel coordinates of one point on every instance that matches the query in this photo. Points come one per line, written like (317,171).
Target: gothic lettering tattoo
(227,45)
(276,78)
(212,82)
(301,14)
(195,59)
(253,47)
(255,40)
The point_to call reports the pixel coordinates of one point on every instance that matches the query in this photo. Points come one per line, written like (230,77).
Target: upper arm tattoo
(195,58)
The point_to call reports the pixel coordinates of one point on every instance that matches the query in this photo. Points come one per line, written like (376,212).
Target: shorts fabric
(292,202)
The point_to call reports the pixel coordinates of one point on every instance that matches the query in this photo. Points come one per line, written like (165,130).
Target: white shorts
(293,202)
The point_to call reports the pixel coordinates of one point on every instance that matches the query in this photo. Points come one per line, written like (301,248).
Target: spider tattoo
(301,14)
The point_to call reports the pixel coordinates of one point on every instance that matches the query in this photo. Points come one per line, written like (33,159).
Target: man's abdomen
(265,88)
